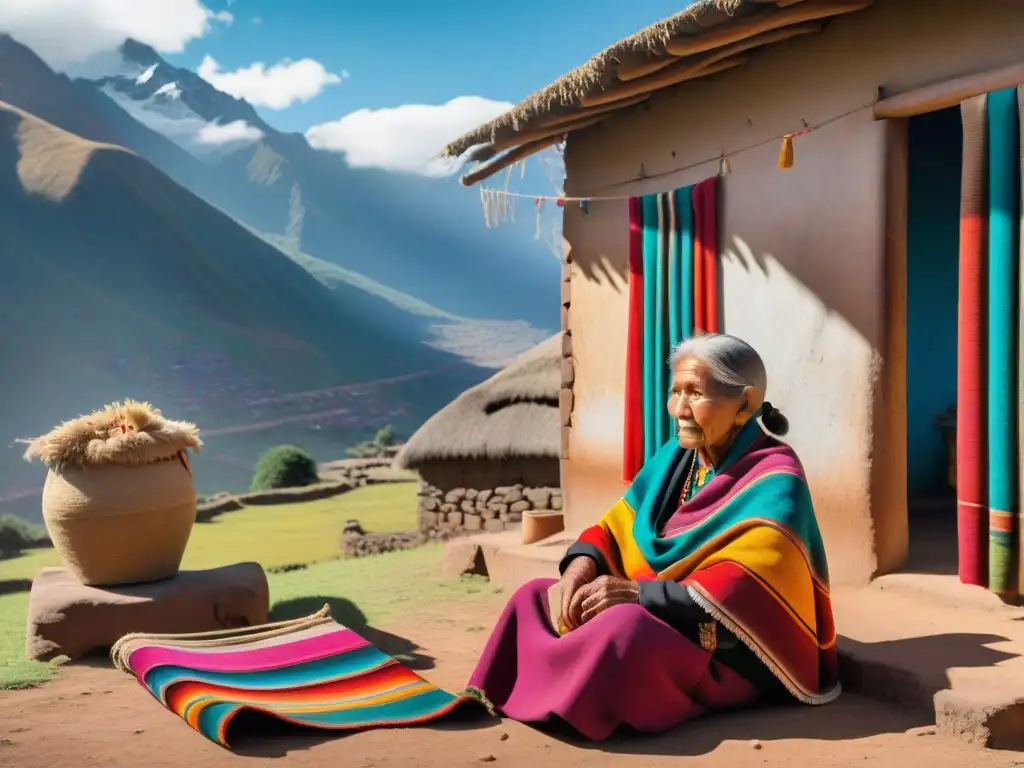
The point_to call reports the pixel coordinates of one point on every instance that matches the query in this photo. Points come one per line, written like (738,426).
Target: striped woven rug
(310,672)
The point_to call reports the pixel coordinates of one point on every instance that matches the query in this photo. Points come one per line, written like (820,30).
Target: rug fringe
(478,695)
(718,615)
(120,653)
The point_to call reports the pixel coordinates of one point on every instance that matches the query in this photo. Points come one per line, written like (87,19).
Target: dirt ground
(96,716)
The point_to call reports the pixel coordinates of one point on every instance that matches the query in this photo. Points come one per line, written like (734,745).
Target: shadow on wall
(822,220)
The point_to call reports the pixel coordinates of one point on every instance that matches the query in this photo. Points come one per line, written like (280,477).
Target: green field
(367,591)
(380,587)
(304,532)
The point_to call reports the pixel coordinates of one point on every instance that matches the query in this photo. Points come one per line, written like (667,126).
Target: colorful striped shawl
(310,672)
(748,549)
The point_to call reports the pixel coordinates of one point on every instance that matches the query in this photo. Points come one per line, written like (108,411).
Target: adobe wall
(803,251)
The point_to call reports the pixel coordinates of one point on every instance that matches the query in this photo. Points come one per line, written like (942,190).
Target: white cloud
(406,138)
(275,87)
(237,132)
(257,19)
(166,114)
(65,32)
(224,17)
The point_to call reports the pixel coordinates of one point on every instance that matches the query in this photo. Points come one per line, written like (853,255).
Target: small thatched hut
(494,451)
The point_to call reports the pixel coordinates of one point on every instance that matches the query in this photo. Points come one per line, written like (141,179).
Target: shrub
(385,436)
(363,451)
(370,449)
(284,466)
(17,534)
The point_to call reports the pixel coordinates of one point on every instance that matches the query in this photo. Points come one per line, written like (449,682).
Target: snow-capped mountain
(148,291)
(179,104)
(424,237)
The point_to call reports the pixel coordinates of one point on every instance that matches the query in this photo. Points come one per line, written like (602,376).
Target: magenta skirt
(624,667)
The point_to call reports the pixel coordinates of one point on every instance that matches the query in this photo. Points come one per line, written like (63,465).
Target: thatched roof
(513,414)
(709,36)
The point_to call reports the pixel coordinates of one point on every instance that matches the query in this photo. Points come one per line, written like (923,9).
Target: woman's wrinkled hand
(601,594)
(581,571)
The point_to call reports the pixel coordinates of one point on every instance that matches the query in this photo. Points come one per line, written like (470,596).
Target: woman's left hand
(601,594)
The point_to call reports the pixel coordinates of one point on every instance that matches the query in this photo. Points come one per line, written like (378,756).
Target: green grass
(16,671)
(303,532)
(382,588)
(367,591)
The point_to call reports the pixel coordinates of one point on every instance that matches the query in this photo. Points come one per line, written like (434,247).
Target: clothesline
(723,158)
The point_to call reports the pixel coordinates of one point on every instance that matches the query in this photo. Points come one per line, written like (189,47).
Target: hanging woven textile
(972,325)
(705,255)
(673,276)
(989,376)
(1004,223)
(1020,346)
(633,428)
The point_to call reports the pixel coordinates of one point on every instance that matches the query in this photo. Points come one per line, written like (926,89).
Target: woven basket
(119,501)
(121,524)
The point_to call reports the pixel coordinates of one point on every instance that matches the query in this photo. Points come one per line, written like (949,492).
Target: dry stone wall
(470,510)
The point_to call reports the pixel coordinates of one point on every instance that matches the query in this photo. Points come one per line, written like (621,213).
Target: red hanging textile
(633,425)
(971,434)
(706,311)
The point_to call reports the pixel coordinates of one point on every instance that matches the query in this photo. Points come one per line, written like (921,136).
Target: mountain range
(257,286)
(406,231)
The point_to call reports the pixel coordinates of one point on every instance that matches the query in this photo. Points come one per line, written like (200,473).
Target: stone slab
(506,559)
(932,645)
(463,557)
(67,618)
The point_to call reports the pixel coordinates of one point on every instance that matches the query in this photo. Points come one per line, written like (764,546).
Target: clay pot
(121,523)
(539,524)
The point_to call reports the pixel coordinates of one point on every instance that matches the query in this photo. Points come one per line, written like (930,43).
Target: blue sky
(386,84)
(401,52)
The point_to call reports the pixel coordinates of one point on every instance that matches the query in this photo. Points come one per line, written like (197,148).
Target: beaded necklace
(695,472)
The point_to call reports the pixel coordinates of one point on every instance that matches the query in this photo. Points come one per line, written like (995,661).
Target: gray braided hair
(733,365)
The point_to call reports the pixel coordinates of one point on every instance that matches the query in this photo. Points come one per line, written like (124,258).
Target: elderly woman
(704,588)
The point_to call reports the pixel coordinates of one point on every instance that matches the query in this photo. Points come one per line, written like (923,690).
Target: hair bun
(773,419)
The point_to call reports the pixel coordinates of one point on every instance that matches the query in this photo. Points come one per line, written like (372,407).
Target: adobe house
(493,452)
(841,269)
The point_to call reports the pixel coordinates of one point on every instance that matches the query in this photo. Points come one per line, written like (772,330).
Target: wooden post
(566,398)
(889,445)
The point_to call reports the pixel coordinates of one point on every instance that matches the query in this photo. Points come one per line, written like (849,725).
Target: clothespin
(786,152)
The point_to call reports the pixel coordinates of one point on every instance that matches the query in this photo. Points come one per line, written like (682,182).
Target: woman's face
(705,418)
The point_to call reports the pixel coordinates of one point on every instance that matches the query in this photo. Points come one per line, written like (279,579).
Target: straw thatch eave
(709,36)
(513,414)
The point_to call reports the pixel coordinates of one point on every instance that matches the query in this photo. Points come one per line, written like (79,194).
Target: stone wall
(528,472)
(210,507)
(470,510)
(366,544)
